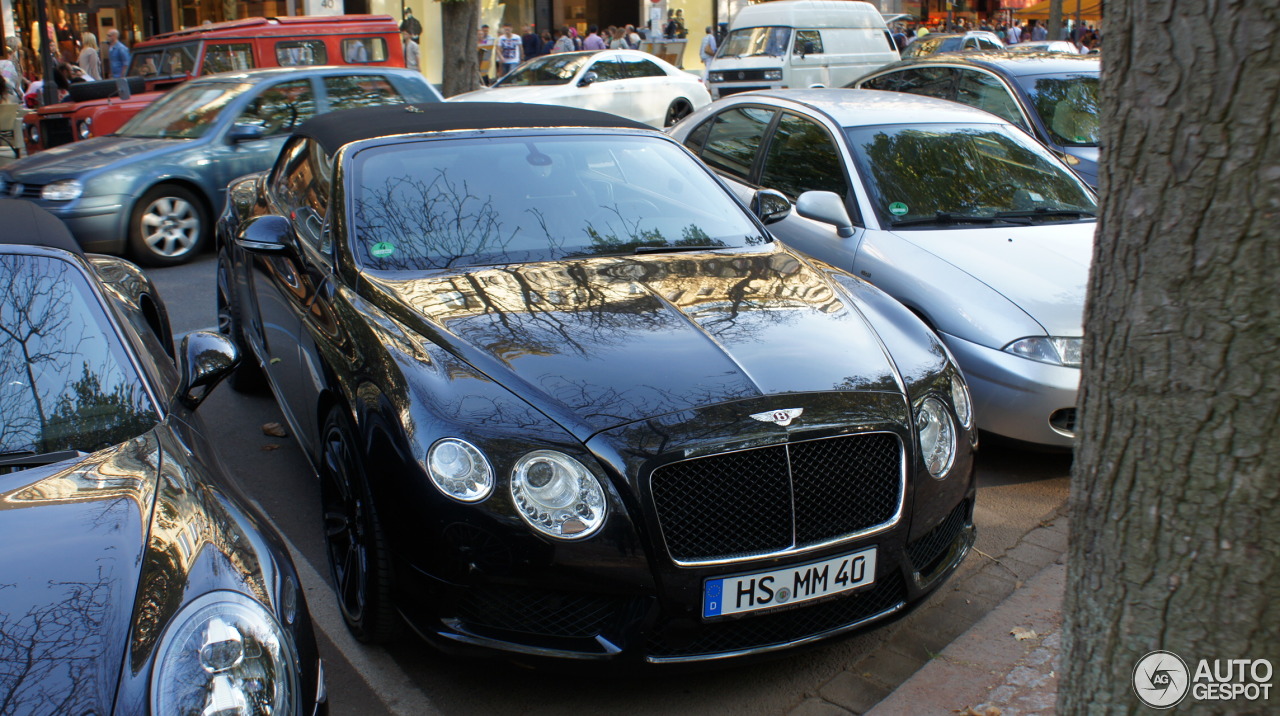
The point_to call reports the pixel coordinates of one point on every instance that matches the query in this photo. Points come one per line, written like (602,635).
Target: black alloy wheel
(353,539)
(248,376)
(678,110)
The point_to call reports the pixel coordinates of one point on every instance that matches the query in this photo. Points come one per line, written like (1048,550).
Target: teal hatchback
(153,188)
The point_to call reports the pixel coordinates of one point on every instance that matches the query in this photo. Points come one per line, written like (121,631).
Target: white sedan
(628,83)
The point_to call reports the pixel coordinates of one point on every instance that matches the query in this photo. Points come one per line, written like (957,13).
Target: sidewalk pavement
(986,645)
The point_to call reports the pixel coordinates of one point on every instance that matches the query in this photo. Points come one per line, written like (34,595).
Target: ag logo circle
(1161,679)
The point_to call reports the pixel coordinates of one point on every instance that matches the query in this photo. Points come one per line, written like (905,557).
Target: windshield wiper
(672,249)
(1044,211)
(944,217)
(29,459)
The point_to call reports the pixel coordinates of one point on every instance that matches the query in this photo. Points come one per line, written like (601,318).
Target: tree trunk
(1055,20)
(1175,518)
(460,25)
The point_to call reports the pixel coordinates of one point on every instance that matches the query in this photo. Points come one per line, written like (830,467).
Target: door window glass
(926,81)
(986,92)
(808,42)
(607,70)
(351,91)
(359,50)
(802,157)
(232,57)
(298,53)
(280,108)
(734,138)
(640,67)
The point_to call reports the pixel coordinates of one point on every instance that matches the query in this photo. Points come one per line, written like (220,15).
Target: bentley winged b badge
(781,417)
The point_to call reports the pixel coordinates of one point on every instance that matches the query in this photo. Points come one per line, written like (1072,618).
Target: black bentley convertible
(568,398)
(134,577)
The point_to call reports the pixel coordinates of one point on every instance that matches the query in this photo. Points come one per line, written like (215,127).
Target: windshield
(913,172)
(752,41)
(1067,105)
(65,381)
(549,70)
(184,113)
(473,202)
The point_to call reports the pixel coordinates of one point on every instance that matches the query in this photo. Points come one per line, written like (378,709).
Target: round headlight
(86,128)
(459,470)
(34,133)
(960,399)
(557,496)
(224,653)
(937,436)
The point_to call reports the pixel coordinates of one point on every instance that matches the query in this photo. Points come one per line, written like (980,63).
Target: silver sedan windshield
(471,202)
(950,173)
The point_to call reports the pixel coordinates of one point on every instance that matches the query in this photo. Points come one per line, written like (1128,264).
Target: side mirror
(203,361)
(245,133)
(266,234)
(827,207)
(588,79)
(770,206)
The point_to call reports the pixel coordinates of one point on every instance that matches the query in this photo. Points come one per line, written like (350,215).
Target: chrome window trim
(793,550)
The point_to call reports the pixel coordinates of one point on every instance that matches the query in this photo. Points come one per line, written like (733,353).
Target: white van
(800,44)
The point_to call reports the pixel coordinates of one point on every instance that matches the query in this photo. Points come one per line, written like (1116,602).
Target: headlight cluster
(937,436)
(773,75)
(33,133)
(553,493)
(715,77)
(64,190)
(1048,349)
(85,128)
(224,653)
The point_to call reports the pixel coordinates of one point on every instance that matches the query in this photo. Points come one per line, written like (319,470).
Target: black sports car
(568,398)
(134,578)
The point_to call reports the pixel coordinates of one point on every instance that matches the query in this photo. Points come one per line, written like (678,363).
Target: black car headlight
(557,496)
(224,653)
(961,401)
(459,470)
(937,434)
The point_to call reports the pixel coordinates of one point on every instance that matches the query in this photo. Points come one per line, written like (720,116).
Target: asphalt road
(1016,491)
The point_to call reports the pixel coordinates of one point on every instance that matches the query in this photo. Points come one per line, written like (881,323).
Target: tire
(354,544)
(678,110)
(168,226)
(248,376)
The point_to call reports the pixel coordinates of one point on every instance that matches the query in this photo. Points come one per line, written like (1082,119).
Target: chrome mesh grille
(770,499)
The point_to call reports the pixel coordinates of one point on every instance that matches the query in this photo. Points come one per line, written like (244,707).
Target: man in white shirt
(707,51)
(411,58)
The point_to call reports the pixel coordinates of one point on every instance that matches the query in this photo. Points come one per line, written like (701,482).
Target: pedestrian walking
(89,60)
(412,58)
(509,49)
(117,54)
(707,50)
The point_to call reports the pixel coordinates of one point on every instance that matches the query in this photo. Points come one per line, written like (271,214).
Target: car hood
(91,155)
(1042,269)
(613,340)
(74,536)
(534,93)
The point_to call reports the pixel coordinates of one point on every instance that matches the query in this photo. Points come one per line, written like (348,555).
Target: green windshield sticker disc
(382,249)
(897,208)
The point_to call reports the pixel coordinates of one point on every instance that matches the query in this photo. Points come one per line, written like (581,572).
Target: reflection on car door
(809,64)
(925,81)
(730,144)
(986,92)
(291,287)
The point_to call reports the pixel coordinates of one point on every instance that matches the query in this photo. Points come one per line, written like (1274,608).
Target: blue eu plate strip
(711,601)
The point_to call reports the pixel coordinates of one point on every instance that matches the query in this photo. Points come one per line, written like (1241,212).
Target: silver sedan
(961,216)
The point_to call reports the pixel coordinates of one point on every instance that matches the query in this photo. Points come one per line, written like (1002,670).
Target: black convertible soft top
(24,223)
(335,129)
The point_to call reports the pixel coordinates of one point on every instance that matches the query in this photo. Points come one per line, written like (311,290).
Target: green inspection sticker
(382,249)
(897,208)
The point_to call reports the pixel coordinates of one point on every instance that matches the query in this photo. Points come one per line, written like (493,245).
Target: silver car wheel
(170,226)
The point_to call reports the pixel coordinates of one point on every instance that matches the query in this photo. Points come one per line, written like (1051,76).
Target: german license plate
(789,585)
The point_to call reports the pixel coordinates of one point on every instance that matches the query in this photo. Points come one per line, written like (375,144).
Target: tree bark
(1055,20)
(1175,518)
(460,25)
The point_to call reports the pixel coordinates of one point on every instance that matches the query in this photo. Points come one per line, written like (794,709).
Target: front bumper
(1016,397)
(96,222)
(543,621)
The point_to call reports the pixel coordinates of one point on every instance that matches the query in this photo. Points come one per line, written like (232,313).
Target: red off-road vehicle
(169,59)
